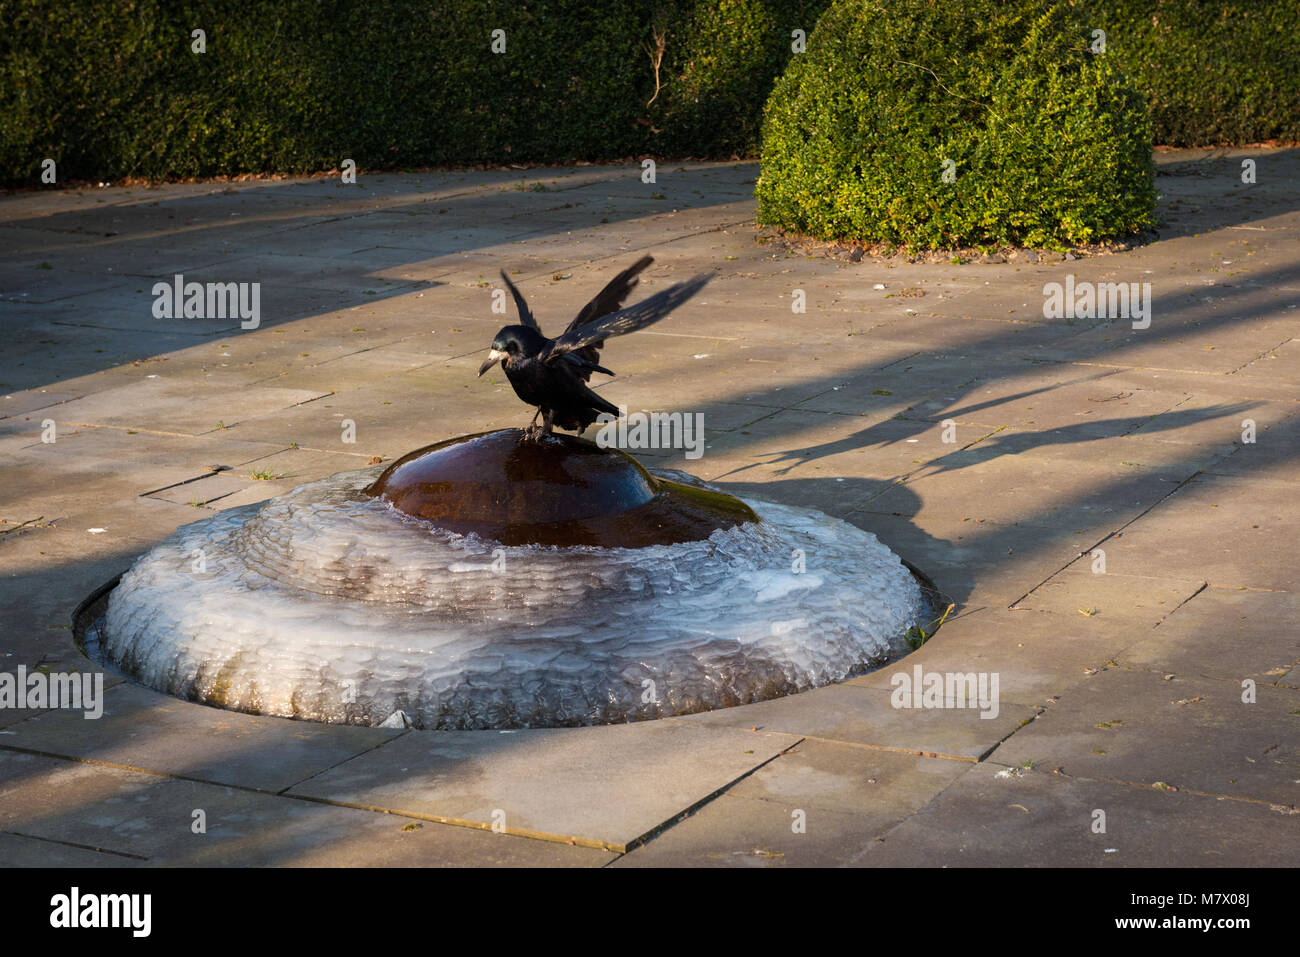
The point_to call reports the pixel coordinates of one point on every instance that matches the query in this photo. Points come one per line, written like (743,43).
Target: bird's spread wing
(525,314)
(638,316)
(612,296)
(584,365)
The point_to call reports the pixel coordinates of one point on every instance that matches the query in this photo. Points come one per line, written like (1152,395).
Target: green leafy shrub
(1212,71)
(1044,142)
(112,89)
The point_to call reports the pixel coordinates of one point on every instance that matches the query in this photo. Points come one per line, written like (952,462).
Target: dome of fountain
(560,490)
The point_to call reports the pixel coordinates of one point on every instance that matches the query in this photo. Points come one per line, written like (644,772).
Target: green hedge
(112,89)
(1212,71)
(1045,141)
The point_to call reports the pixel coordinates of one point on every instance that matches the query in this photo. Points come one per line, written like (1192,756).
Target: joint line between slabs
(83,847)
(686,812)
(1107,537)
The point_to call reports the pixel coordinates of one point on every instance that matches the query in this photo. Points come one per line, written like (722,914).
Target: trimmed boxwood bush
(1045,142)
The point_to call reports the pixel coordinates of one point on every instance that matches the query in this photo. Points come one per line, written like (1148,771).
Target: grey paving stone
(608,786)
(1109,595)
(165,405)
(866,716)
(1271,457)
(1036,655)
(1227,633)
(1215,344)
(854,780)
(1228,530)
(1039,819)
(744,832)
(1060,400)
(987,483)
(1186,732)
(19,850)
(19,403)
(144,730)
(818,805)
(1281,362)
(976,563)
(394,415)
(135,818)
(30,282)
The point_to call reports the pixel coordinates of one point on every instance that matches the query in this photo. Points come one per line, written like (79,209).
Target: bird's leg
(546,421)
(532,426)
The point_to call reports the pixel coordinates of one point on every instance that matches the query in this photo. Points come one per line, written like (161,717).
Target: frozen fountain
(495,581)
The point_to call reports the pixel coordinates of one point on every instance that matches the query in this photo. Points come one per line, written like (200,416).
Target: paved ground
(1121,690)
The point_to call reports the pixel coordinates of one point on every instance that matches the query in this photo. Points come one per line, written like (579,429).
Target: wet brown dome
(562,490)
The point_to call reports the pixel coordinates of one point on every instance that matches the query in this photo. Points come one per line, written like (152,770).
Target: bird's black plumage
(552,374)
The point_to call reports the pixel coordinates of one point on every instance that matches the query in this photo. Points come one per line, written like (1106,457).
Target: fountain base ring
(331,604)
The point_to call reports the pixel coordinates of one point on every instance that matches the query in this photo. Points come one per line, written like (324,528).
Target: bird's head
(512,342)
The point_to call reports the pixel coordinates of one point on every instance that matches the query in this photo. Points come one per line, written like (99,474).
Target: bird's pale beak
(494,356)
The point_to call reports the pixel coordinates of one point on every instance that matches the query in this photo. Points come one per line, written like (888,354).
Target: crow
(552,374)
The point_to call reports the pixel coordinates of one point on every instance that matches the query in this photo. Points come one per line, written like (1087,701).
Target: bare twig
(656,54)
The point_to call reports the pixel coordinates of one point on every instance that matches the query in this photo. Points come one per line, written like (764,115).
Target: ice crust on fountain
(329,605)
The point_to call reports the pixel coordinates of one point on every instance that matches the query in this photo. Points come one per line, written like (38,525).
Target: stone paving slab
(795,443)
(42,480)
(743,832)
(33,283)
(18,850)
(392,416)
(818,804)
(141,729)
(835,777)
(204,489)
(1050,653)
(1067,498)
(978,563)
(1108,596)
(164,405)
(1208,422)
(1183,732)
(1217,346)
(1230,531)
(19,403)
(621,782)
(1039,819)
(1093,402)
(1226,633)
(133,818)
(1268,458)
(853,714)
(355,369)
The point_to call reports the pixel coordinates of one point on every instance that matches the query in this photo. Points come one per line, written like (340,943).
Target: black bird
(552,374)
